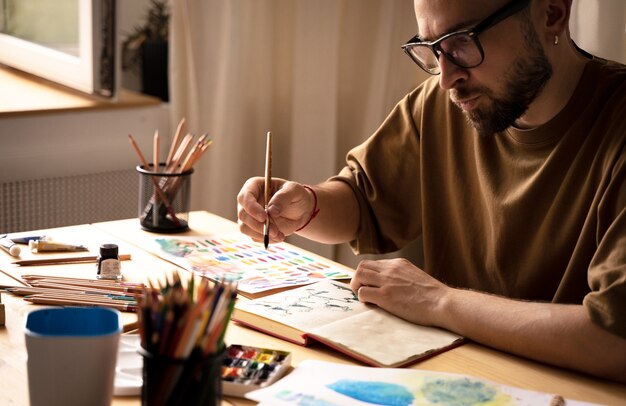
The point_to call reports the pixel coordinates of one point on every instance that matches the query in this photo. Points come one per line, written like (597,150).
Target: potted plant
(145,50)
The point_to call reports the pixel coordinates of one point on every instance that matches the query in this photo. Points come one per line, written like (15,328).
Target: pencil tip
(266,241)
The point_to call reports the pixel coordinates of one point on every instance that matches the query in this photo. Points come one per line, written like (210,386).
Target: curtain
(321,75)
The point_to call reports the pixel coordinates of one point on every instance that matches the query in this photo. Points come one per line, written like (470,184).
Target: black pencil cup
(164,199)
(196,380)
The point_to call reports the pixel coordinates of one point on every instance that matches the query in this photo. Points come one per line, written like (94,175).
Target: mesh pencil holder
(196,380)
(164,199)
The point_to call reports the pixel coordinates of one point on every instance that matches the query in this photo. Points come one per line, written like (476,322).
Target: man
(512,168)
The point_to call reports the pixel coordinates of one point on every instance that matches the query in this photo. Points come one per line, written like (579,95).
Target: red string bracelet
(315,209)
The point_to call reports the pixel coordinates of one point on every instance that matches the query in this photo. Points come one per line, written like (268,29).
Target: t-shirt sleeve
(384,173)
(606,303)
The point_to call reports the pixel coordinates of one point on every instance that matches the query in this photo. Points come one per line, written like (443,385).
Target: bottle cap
(108,250)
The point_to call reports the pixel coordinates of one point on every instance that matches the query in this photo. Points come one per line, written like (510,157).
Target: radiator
(62,201)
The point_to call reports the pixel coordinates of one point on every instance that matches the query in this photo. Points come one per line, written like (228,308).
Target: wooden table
(470,359)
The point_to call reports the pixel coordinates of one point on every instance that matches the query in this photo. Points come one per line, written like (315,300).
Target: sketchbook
(257,271)
(330,313)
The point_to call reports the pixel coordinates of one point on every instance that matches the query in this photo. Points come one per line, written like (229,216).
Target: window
(71,42)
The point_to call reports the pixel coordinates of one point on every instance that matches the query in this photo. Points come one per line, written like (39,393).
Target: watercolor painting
(319,383)
(236,257)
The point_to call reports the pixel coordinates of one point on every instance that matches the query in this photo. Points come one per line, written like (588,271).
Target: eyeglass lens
(460,49)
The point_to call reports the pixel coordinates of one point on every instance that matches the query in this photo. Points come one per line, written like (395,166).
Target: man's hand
(289,208)
(559,334)
(401,288)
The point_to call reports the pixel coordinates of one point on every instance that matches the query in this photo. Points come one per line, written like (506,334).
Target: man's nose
(450,73)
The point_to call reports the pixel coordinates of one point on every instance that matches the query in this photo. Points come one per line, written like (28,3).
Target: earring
(556,40)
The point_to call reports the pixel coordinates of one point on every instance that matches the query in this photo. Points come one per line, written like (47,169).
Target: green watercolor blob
(457,392)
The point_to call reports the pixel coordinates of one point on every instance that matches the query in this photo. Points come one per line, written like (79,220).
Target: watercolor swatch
(327,384)
(236,257)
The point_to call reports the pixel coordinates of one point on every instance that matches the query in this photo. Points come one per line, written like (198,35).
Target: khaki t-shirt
(537,214)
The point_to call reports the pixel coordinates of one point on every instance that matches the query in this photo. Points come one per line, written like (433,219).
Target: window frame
(94,71)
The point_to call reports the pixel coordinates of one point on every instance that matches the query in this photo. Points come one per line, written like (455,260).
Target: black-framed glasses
(462,48)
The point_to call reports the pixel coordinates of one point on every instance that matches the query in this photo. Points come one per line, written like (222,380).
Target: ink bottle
(108,264)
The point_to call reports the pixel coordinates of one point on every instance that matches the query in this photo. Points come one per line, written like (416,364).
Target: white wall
(599,27)
(55,145)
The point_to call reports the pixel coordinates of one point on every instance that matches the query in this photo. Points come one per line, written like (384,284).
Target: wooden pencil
(131,327)
(24,291)
(69,279)
(157,189)
(135,289)
(85,296)
(192,157)
(14,278)
(84,282)
(64,260)
(179,130)
(86,288)
(155,156)
(180,151)
(63,302)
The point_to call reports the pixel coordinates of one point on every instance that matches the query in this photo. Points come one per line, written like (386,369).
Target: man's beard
(523,82)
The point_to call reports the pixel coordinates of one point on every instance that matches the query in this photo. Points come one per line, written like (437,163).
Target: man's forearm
(338,217)
(561,335)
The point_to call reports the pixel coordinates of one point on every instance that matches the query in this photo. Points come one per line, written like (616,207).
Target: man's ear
(556,15)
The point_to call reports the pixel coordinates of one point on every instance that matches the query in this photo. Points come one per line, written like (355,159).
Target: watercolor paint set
(247,368)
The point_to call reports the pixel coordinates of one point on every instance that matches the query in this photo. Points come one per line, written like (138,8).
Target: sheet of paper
(236,257)
(324,383)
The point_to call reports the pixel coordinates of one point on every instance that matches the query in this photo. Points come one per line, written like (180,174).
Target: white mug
(72,353)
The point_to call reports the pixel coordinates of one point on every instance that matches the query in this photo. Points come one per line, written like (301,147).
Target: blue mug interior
(74,321)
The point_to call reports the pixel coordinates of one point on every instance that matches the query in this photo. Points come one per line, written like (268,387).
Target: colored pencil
(104,290)
(64,260)
(65,302)
(131,327)
(172,184)
(179,130)
(36,290)
(167,187)
(14,278)
(157,189)
(180,159)
(155,156)
(180,151)
(185,318)
(69,280)
(85,296)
